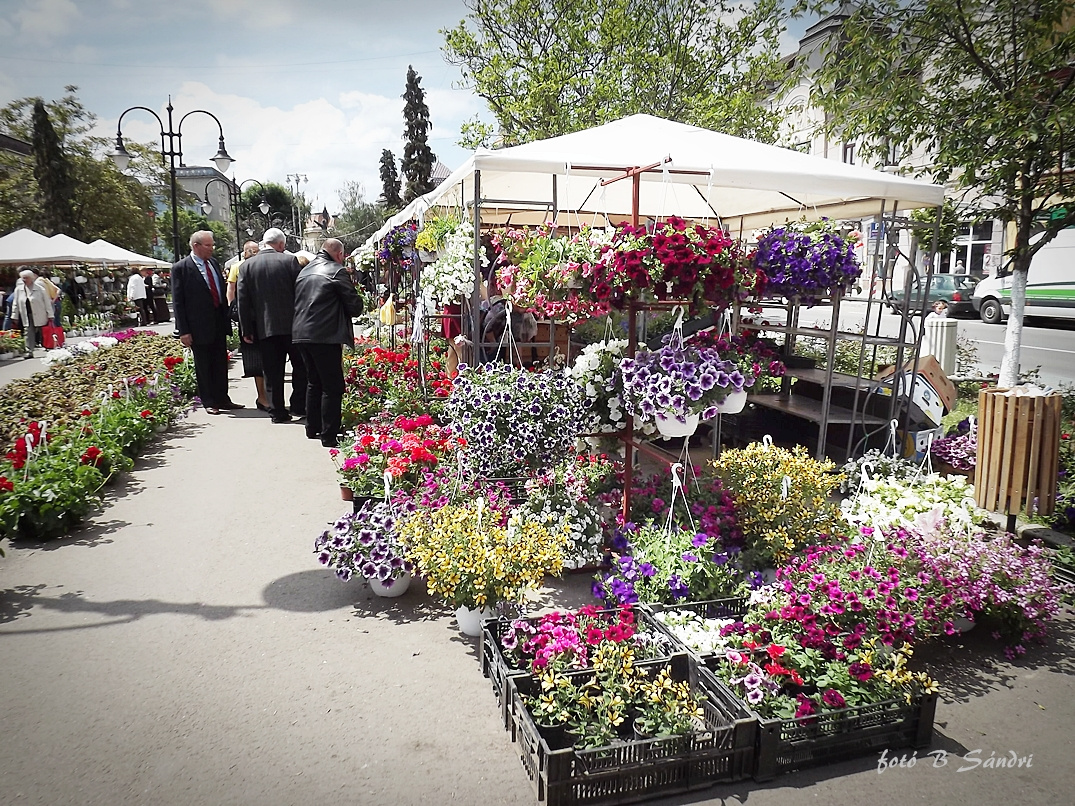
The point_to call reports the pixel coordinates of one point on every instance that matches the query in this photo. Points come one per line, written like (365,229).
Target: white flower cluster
(452,275)
(68,352)
(595,371)
(892,502)
(365,256)
(585,538)
(698,633)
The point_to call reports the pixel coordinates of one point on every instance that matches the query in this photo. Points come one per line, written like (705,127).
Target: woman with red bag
(32,307)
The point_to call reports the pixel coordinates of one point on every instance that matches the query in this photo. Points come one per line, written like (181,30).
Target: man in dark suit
(266,295)
(201,319)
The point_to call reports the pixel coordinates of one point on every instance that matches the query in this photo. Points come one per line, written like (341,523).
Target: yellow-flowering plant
(783,499)
(471,558)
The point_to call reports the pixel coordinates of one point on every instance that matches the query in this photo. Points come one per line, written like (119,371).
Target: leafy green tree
(390,184)
(418,159)
(987,88)
(191,222)
(105,203)
(53,177)
(358,218)
(550,67)
(284,206)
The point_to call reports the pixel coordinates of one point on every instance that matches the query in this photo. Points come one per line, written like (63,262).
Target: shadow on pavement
(19,602)
(92,533)
(314,591)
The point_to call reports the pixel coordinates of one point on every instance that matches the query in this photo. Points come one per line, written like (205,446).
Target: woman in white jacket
(31,306)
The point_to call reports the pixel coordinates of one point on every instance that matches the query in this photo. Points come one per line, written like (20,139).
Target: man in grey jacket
(266,295)
(325,302)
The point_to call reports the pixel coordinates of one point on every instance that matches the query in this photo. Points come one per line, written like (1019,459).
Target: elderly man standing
(325,302)
(201,319)
(266,295)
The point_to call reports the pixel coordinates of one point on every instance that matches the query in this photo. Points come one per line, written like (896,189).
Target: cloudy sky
(308,88)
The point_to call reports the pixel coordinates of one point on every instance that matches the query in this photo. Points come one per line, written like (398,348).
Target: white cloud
(46,19)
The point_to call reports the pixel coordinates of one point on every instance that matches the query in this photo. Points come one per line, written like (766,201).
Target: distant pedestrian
(325,303)
(266,295)
(151,292)
(201,319)
(31,305)
(136,293)
(940,310)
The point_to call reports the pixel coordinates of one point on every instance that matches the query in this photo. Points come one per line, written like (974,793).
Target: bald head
(334,247)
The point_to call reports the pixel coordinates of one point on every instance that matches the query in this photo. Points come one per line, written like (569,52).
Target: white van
(1050,284)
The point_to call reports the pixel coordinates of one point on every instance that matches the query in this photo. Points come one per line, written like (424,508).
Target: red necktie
(212,284)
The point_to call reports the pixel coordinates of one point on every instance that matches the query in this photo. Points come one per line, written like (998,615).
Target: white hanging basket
(673,427)
(733,403)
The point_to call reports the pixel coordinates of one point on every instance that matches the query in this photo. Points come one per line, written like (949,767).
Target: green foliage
(53,177)
(358,218)
(418,159)
(950,221)
(105,203)
(549,67)
(985,87)
(191,222)
(390,184)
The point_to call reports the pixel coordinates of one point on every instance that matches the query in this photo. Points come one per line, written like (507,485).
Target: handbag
(52,336)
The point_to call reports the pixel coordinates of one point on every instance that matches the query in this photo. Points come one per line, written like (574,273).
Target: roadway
(1047,343)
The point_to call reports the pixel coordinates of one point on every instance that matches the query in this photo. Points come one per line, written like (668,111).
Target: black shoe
(298,415)
(330,443)
(286,418)
(312,436)
(265,409)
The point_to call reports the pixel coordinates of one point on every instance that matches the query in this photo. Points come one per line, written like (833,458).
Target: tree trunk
(1013,336)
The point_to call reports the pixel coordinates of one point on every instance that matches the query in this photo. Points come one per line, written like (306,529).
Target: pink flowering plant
(567,640)
(401,446)
(753,356)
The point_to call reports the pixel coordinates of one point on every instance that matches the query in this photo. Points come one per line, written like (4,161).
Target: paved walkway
(185,648)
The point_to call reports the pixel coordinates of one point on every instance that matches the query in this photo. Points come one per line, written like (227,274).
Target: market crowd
(285,311)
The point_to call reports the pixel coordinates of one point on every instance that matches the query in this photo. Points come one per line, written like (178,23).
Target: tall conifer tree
(53,177)
(418,159)
(390,184)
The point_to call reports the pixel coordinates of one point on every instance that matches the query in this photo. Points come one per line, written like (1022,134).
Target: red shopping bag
(52,336)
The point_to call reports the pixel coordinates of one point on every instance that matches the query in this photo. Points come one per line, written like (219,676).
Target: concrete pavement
(185,648)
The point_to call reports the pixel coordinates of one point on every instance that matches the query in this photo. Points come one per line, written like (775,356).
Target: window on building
(973,243)
(849,153)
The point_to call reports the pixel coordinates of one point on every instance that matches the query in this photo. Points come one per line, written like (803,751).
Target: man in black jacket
(325,302)
(201,319)
(266,295)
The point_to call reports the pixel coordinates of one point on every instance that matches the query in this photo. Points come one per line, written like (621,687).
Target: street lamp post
(235,196)
(171,148)
(296,178)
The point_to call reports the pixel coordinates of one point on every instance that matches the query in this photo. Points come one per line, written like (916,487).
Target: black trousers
(211,370)
(273,358)
(299,380)
(324,397)
(144,314)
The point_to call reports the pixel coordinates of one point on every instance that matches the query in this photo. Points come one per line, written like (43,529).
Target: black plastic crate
(734,608)
(1065,576)
(497,667)
(641,769)
(786,745)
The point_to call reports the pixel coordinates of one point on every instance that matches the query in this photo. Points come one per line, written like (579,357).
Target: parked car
(1050,284)
(955,289)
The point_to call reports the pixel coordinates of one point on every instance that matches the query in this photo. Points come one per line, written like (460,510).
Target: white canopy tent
(117,254)
(27,246)
(691,172)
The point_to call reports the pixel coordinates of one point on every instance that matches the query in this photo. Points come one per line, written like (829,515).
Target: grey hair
(274,235)
(27,273)
(198,236)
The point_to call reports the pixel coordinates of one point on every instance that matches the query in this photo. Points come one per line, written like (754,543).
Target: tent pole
(475,294)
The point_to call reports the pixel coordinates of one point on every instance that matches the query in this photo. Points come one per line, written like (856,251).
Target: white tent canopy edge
(697,174)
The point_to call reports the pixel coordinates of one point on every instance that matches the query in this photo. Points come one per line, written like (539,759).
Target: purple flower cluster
(805,265)
(364,543)
(514,421)
(398,243)
(959,449)
(677,381)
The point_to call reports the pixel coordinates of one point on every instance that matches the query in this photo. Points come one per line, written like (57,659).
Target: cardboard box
(932,394)
(929,369)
